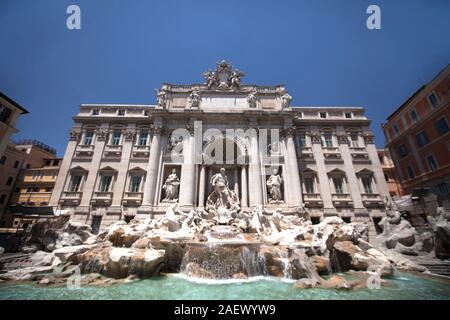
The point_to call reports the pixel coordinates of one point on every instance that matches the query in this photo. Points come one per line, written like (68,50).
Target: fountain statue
(171,187)
(274,186)
(222,202)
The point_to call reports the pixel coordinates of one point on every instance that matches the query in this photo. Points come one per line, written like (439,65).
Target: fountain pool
(175,286)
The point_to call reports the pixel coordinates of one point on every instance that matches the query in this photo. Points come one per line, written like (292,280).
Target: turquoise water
(403,286)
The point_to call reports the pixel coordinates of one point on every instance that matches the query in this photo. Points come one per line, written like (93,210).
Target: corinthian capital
(369,138)
(288,132)
(156,129)
(102,134)
(74,134)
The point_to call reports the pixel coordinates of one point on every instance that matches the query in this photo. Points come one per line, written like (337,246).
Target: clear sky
(321,50)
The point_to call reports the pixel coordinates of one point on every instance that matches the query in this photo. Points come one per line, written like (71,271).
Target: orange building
(418,138)
(18,158)
(394,187)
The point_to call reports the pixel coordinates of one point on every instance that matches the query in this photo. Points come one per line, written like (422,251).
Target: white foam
(228,281)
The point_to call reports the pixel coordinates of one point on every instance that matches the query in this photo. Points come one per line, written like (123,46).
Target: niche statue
(171,187)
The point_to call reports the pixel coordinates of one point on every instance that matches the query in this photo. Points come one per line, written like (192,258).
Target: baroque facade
(125,161)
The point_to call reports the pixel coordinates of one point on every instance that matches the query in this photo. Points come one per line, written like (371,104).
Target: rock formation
(255,243)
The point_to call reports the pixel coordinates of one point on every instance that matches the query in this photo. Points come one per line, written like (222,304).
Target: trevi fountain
(219,253)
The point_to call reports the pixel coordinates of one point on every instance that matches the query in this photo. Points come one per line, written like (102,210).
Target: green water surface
(402,286)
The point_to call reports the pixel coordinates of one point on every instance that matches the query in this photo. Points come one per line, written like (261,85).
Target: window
(48,162)
(105,183)
(328,140)
(121,112)
(443,189)
(36,189)
(354,140)
(441,126)
(2,198)
(115,139)
(16,190)
(348,115)
(75,183)
(135,183)
(95,112)
(36,175)
(433,100)
(2,160)
(301,139)
(29,189)
(48,189)
(309,184)
(28,166)
(402,150)
(394,126)
(338,184)
(411,173)
(367,184)
(88,136)
(146,113)
(413,116)
(432,163)
(422,138)
(9,181)
(55,162)
(323,115)
(4,113)
(143,138)
(386,176)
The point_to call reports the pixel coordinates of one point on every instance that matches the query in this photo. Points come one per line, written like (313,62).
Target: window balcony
(305,153)
(312,200)
(102,198)
(112,151)
(342,200)
(132,198)
(71,198)
(358,150)
(331,154)
(84,151)
(359,154)
(372,200)
(140,152)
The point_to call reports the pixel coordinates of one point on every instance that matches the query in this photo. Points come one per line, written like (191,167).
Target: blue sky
(321,50)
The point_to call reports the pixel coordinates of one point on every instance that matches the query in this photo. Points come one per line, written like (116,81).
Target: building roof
(422,88)
(36,143)
(14,103)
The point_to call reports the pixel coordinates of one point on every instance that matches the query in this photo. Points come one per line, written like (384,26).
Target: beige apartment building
(390,175)
(126,161)
(19,156)
(9,114)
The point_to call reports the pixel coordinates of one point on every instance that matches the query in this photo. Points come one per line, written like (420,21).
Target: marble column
(322,173)
(353,182)
(201,187)
(150,186)
(63,175)
(254,173)
(244,196)
(119,187)
(295,186)
(236,181)
(381,184)
(187,177)
(89,187)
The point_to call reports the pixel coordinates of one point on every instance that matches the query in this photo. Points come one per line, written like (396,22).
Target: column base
(145,209)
